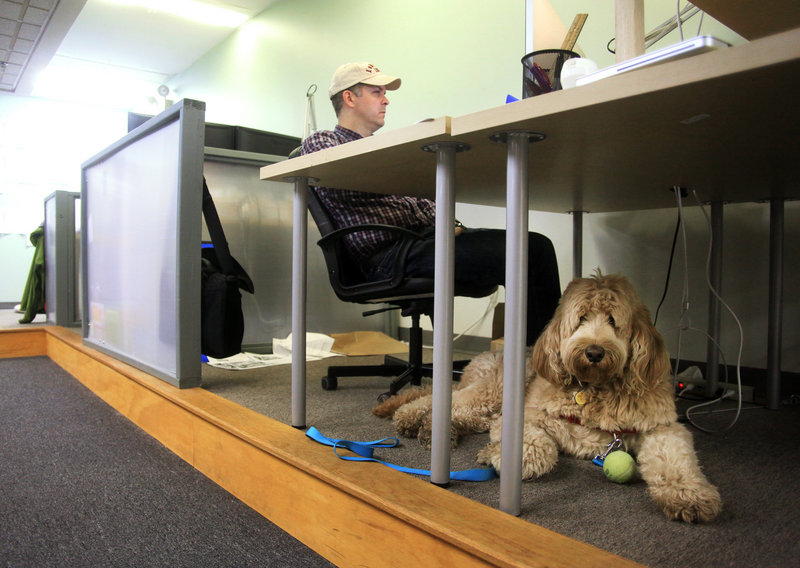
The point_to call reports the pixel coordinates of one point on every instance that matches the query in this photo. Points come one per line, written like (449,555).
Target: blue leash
(366,449)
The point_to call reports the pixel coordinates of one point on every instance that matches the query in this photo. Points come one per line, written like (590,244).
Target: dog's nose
(595,353)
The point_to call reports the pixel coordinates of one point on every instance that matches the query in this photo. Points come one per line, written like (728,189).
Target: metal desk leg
(774,330)
(515,318)
(577,243)
(443,310)
(299,277)
(715,276)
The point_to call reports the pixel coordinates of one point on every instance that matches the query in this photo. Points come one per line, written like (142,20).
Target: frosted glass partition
(141,206)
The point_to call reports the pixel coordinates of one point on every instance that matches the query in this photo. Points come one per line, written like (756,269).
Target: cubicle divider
(62,236)
(140,212)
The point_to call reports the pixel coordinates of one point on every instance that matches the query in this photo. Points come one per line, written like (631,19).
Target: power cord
(669,269)
(493,301)
(685,322)
(726,393)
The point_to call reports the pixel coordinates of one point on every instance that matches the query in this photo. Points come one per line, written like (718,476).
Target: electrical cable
(669,269)
(493,301)
(685,323)
(741,338)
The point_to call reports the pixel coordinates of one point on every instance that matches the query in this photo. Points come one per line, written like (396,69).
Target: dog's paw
(698,504)
(406,425)
(426,428)
(539,456)
(537,459)
(490,455)
(408,419)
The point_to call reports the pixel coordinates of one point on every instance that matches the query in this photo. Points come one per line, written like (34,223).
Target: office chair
(413,296)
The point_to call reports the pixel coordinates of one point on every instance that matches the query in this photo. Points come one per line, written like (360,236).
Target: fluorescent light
(191,10)
(94,83)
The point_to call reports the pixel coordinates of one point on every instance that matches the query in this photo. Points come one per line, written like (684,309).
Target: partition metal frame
(190,116)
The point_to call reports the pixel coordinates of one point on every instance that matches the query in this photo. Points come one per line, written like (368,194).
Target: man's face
(369,105)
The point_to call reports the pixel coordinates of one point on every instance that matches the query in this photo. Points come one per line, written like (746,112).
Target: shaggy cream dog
(599,372)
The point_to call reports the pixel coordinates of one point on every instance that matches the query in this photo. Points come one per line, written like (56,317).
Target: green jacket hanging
(33,301)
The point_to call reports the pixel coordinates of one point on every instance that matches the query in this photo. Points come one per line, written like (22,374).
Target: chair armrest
(339,233)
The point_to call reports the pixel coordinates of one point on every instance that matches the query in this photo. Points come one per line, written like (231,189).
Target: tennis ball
(619,466)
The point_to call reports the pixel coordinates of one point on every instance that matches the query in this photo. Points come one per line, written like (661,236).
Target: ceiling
(52,47)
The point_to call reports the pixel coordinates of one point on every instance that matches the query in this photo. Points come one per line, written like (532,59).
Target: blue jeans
(480,260)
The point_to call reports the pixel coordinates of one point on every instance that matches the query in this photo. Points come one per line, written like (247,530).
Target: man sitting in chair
(358,93)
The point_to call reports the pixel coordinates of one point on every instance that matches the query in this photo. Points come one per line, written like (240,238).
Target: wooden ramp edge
(352,514)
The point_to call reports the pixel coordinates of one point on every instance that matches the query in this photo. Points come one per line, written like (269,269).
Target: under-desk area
(716,121)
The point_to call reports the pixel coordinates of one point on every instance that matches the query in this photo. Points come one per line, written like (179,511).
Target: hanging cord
(685,325)
(669,269)
(311,118)
(741,342)
(493,300)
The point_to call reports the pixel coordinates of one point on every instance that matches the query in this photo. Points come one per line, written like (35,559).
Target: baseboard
(384,519)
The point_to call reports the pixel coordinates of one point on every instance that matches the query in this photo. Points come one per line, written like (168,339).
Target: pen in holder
(541,71)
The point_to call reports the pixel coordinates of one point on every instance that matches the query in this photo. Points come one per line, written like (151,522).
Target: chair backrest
(348,282)
(343,271)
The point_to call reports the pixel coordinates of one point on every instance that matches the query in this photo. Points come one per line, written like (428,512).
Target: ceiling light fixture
(191,10)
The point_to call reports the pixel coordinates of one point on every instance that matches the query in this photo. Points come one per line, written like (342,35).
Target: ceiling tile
(8,27)
(43,4)
(23,45)
(35,16)
(11,10)
(28,31)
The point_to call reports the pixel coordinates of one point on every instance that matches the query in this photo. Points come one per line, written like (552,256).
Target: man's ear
(347,98)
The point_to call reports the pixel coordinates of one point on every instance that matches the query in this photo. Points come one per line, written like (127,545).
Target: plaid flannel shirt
(348,207)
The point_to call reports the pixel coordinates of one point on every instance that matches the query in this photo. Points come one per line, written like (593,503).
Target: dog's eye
(611,321)
(582,320)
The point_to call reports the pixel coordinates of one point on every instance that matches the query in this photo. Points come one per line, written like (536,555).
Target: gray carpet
(81,485)
(754,464)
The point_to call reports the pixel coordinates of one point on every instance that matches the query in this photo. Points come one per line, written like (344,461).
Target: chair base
(403,372)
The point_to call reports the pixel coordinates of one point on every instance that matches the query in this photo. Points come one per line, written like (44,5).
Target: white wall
(454,56)
(42,146)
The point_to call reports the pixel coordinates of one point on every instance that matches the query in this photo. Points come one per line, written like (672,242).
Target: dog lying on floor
(599,371)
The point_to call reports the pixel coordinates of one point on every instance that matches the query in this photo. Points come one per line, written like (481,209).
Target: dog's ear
(649,358)
(547,360)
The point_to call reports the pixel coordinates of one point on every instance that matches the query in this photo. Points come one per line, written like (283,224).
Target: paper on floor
(318,346)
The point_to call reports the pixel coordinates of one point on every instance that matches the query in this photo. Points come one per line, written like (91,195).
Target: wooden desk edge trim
(498,539)
(421,132)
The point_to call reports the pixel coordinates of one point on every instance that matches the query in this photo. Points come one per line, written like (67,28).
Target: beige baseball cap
(351,74)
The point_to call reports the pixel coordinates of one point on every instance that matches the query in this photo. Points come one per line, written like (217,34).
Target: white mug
(574,69)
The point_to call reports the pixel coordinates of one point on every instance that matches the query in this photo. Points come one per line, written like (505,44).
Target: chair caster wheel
(329,383)
(384,397)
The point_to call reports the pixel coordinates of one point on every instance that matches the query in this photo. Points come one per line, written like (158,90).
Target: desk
(724,123)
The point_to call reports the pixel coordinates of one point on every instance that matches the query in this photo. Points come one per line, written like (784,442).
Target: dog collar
(572,419)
